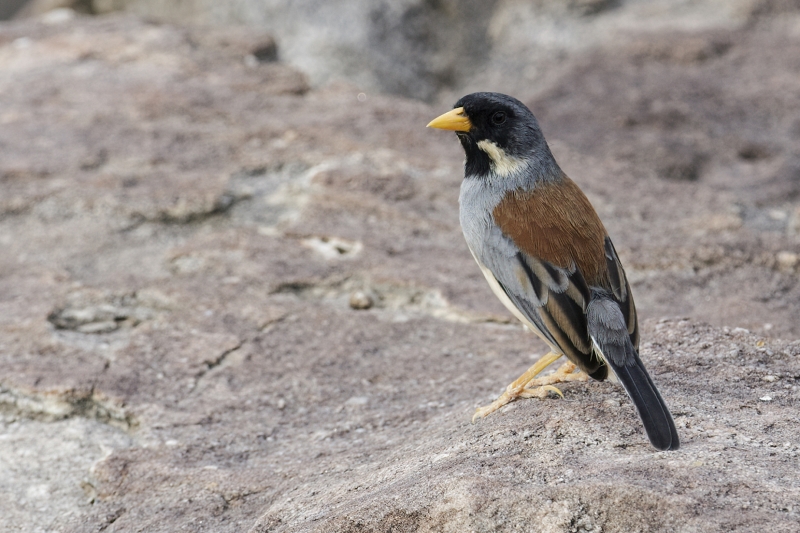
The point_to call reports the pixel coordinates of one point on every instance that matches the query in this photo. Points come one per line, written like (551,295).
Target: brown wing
(564,253)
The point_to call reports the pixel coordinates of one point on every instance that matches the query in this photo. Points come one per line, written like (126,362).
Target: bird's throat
(503,164)
(477,161)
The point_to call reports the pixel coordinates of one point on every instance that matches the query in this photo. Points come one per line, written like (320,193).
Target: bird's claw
(508,397)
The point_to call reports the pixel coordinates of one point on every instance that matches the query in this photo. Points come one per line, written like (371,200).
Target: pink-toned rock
(183,230)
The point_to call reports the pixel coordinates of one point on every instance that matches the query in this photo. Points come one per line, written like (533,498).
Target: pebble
(787,260)
(361,300)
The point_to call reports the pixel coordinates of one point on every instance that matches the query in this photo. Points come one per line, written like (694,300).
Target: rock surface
(433,49)
(229,302)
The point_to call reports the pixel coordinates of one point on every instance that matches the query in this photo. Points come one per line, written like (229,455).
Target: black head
(499,134)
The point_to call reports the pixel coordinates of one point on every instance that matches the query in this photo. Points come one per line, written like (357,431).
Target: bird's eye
(498,118)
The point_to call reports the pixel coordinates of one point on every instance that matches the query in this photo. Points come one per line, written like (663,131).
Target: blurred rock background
(234,295)
(435,49)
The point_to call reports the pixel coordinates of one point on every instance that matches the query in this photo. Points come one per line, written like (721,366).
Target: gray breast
(481,194)
(476,205)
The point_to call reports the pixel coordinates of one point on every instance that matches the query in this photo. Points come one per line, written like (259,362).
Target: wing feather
(621,291)
(551,298)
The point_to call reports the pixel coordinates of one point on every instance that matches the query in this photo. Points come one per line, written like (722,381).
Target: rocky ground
(231,302)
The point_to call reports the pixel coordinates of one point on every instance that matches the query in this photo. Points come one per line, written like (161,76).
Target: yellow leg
(522,387)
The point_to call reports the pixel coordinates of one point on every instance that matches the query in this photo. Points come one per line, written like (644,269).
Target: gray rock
(442,49)
(220,213)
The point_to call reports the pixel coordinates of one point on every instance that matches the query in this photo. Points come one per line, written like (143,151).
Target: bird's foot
(529,386)
(521,387)
(566,373)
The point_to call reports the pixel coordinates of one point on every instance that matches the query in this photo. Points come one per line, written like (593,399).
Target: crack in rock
(211,364)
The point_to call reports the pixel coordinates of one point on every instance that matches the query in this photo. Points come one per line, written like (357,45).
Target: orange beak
(455,120)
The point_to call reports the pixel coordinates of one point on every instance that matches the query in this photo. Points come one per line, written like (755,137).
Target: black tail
(609,332)
(655,415)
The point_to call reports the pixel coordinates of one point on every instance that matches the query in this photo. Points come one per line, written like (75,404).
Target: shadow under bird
(547,256)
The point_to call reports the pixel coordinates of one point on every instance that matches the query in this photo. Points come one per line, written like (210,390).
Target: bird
(548,258)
